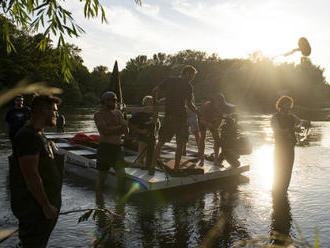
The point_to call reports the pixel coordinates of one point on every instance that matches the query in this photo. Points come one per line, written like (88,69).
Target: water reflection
(281,219)
(109,229)
(264,165)
(188,216)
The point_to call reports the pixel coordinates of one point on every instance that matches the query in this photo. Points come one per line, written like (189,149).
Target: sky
(229,28)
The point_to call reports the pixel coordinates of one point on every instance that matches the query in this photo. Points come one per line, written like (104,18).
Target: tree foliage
(53,18)
(252,84)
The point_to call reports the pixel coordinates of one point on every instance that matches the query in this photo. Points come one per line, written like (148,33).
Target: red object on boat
(82,138)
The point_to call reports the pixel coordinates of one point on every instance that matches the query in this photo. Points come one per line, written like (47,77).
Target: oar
(303,46)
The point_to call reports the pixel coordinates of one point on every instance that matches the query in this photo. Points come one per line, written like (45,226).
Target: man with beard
(35,179)
(111,125)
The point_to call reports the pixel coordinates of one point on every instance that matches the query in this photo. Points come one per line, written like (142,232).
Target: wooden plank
(84,166)
(148,109)
(82,152)
(6,233)
(64,145)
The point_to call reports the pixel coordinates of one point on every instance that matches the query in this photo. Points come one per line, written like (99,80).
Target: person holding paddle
(178,92)
(284,123)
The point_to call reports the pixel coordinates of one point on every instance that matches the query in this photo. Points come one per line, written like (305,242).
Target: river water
(211,215)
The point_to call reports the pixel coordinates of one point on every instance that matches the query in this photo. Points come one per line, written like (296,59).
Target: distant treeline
(253,84)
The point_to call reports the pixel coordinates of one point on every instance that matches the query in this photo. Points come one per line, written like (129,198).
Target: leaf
(316,242)
(85,216)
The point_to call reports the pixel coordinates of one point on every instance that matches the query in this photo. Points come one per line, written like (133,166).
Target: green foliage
(252,84)
(56,21)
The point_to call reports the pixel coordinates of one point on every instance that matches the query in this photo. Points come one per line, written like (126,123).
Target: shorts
(193,123)
(107,156)
(174,125)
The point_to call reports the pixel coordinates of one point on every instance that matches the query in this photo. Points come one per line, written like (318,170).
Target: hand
(124,129)
(50,211)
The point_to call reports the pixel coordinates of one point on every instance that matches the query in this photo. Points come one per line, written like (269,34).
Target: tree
(31,15)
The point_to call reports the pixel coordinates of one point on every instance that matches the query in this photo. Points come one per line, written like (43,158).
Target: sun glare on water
(264,165)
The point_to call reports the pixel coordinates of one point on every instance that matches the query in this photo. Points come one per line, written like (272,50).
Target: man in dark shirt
(178,93)
(35,179)
(17,116)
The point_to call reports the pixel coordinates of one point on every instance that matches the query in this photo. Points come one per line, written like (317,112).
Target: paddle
(303,46)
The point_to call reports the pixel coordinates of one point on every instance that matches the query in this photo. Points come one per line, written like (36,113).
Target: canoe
(81,161)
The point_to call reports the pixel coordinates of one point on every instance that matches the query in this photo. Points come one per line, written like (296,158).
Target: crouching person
(35,179)
(144,127)
(111,125)
(230,142)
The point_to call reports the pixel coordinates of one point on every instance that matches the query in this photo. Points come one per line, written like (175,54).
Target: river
(215,215)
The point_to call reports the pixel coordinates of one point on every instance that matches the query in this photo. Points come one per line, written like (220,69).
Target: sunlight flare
(264,163)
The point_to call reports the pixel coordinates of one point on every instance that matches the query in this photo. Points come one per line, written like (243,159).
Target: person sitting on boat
(111,125)
(178,93)
(211,114)
(229,141)
(284,123)
(142,124)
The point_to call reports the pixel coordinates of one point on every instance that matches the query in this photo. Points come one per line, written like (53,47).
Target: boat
(81,160)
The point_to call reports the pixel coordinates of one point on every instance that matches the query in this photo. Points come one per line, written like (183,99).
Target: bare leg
(157,152)
(202,146)
(141,148)
(184,149)
(178,154)
(197,138)
(216,146)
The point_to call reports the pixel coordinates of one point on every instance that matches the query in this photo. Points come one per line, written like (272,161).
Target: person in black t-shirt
(17,116)
(35,179)
(178,93)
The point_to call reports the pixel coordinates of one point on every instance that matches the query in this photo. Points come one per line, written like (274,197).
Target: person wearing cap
(143,127)
(111,126)
(178,92)
(17,117)
(283,123)
(211,114)
(35,177)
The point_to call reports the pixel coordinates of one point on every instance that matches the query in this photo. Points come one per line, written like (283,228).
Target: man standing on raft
(178,93)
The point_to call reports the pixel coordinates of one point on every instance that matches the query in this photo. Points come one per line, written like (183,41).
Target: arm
(105,129)
(136,129)
(192,106)
(155,93)
(29,168)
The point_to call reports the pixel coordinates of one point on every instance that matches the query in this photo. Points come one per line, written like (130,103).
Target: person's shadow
(281,219)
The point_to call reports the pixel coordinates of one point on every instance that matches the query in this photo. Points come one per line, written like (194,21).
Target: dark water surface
(217,214)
